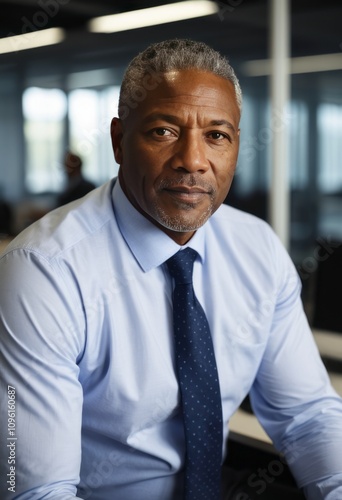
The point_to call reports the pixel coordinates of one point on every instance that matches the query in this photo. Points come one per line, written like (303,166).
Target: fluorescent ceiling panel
(153,16)
(297,65)
(31,40)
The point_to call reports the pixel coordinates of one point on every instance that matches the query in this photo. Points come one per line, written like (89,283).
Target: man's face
(178,150)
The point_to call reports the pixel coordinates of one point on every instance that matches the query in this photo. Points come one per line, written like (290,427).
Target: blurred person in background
(77,185)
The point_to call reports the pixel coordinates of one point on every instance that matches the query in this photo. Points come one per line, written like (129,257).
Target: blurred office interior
(64,95)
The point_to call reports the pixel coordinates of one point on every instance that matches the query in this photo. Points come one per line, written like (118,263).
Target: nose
(190,153)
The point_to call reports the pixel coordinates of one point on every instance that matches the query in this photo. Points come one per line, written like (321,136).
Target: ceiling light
(31,40)
(153,16)
(297,65)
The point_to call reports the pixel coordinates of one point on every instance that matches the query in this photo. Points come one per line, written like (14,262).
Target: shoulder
(248,242)
(241,224)
(67,226)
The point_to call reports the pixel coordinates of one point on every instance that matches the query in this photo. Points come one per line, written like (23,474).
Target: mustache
(189,180)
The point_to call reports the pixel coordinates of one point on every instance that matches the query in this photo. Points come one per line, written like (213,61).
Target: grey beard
(182,223)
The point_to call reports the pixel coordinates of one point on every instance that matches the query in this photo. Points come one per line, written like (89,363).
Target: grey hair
(145,70)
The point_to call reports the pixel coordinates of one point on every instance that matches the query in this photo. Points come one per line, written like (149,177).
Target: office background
(64,95)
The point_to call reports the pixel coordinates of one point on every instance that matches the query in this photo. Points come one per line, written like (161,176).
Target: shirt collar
(149,244)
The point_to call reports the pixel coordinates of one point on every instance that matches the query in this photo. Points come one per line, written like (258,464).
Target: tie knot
(181,265)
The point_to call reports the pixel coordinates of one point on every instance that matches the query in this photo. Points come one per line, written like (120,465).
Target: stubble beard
(185,220)
(182,222)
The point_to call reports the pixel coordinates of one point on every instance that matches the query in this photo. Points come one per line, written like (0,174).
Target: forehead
(193,90)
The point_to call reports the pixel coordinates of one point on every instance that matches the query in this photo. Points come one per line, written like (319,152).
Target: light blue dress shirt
(87,343)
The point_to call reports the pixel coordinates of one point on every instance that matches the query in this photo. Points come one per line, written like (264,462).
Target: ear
(116,133)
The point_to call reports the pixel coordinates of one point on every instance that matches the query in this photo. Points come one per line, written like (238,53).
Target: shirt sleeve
(292,395)
(41,338)
(328,489)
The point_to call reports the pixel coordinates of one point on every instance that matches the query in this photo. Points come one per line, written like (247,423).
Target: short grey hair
(145,70)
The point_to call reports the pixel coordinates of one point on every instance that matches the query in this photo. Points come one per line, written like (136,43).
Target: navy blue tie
(199,384)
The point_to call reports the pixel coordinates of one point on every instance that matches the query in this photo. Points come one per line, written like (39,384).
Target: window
(90,114)
(330,148)
(298,129)
(86,114)
(329,170)
(44,123)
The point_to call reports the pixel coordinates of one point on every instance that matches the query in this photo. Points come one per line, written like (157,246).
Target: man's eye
(217,136)
(162,132)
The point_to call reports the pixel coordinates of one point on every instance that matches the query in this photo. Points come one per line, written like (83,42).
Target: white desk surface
(329,343)
(3,243)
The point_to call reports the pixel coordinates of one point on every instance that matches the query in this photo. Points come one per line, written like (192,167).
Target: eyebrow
(222,122)
(175,119)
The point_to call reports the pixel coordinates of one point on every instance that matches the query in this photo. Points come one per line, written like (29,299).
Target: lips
(193,194)
(187,189)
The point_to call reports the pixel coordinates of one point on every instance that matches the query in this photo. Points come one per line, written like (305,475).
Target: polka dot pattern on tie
(199,384)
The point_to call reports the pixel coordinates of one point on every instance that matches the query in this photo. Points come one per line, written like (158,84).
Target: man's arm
(293,398)
(41,336)
(328,489)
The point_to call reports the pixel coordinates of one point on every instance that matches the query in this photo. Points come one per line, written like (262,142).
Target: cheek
(144,173)
(151,167)
(225,172)
(146,159)
(224,178)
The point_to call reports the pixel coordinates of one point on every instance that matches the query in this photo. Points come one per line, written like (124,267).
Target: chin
(181,224)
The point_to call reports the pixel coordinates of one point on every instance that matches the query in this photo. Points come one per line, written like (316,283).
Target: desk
(248,425)
(3,243)
(329,343)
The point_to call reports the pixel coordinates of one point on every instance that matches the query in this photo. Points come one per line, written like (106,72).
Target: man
(77,186)
(88,349)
